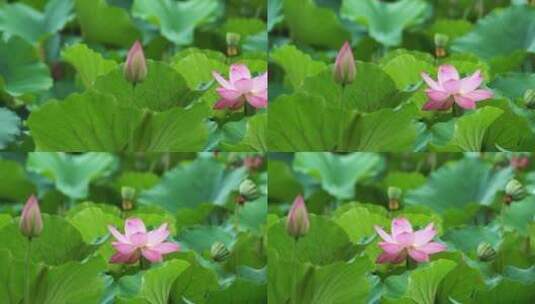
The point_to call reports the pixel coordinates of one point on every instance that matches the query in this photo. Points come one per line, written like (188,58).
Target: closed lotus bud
(394,198)
(485,252)
(345,69)
(233,43)
(129,195)
(135,68)
(31,222)
(297,223)
(514,191)
(529,99)
(248,190)
(219,252)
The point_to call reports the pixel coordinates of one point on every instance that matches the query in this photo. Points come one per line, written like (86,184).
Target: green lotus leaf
(88,64)
(9,127)
(296,64)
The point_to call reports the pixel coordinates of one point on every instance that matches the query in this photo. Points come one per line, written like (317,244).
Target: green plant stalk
(27,287)
(293,299)
(341,135)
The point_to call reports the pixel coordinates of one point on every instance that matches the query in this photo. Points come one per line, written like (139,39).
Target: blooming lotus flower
(135,68)
(451,89)
(31,223)
(345,70)
(297,223)
(137,242)
(404,241)
(241,87)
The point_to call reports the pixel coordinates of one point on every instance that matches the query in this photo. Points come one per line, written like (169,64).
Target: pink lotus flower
(241,87)
(450,88)
(345,69)
(31,223)
(137,242)
(403,241)
(135,67)
(297,223)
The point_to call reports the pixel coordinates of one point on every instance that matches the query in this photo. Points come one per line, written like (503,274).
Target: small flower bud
(485,252)
(514,191)
(31,223)
(253,162)
(129,195)
(297,223)
(441,42)
(248,190)
(529,99)
(219,252)
(233,44)
(135,67)
(394,198)
(519,162)
(345,70)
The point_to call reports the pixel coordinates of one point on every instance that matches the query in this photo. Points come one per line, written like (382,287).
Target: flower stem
(293,299)
(343,120)
(27,289)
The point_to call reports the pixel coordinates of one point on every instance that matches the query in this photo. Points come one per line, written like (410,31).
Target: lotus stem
(28,260)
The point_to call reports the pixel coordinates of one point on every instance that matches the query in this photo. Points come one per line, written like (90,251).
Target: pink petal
(470,83)
(430,82)
(423,236)
(400,225)
(404,239)
(391,258)
(238,72)
(244,85)
(120,258)
(221,80)
(167,247)
(152,255)
(157,236)
(226,103)
(134,225)
(385,236)
(438,105)
(260,83)
(447,72)
(139,239)
(257,101)
(464,102)
(418,256)
(229,94)
(390,248)
(124,248)
(479,95)
(432,247)
(452,86)
(118,236)
(437,95)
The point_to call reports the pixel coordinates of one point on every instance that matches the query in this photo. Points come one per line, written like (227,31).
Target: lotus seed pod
(514,190)
(233,43)
(248,190)
(128,195)
(219,252)
(31,222)
(529,99)
(394,193)
(485,252)
(297,223)
(441,40)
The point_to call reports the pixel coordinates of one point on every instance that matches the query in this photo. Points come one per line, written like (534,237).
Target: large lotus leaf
(386,130)
(282,183)
(95,122)
(325,243)
(88,64)
(240,291)
(58,243)
(20,20)
(177,20)
(467,133)
(359,222)
(453,28)
(197,68)
(103,23)
(405,67)
(455,185)
(501,33)
(201,238)
(254,138)
(516,286)
(12,278)
(23,73)
(72,174)
(303,122)
(313,25)
(424,282)
(386,21)
(372,90)
(204,180)
(467,238)
(460,283)
(9,127)
(513,85)
(338,174)
(156,284)
(243,26)
(72,282)
(163,88)
(296,64)
(519,215)
(92,222)
(15,185)
(274,10)
(195,282)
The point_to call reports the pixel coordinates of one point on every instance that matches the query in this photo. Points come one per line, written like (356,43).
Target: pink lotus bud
(31,223)
(345,69)
(135,68)
(297,223)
